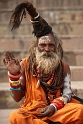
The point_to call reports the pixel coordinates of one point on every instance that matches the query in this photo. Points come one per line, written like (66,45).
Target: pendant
(49,82)
(38,84)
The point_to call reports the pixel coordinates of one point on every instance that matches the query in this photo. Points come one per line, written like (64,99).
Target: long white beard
(47,61)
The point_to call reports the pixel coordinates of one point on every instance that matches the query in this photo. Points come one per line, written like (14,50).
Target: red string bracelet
(15,77)
(58,102)
(59,106)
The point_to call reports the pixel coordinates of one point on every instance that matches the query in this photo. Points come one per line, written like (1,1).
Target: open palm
(12,64)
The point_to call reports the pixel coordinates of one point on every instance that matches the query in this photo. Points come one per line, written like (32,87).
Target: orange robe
(35,100)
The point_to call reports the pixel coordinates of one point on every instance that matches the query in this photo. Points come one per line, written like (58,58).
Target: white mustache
(47,54)
(47,61)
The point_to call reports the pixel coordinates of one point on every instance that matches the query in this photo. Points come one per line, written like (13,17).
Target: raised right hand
(12,64)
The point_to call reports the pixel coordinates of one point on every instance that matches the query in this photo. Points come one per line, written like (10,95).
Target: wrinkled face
(46,43)
(46,58)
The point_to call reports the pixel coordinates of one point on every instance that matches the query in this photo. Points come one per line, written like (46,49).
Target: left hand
(48,111)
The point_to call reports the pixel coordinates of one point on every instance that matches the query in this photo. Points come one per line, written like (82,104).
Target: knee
(80,108)
(80,113)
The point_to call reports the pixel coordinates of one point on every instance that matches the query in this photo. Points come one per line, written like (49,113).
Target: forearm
(67,89)
(17,87)
(17,95)
(59,102)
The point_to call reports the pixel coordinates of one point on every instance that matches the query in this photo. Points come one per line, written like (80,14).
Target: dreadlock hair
(20,11)
(31,59)
(58,42)
(17,16)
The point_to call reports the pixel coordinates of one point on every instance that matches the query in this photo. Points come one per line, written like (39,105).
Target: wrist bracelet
(15,84)
(15,88)
(54,106)
(14,76)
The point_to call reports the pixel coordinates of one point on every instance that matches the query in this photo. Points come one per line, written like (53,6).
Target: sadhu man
(43,78)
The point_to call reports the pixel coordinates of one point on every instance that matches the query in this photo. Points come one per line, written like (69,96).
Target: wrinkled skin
(48,111)
(12,64)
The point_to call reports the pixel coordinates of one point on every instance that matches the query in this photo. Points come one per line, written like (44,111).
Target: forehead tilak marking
(46,37)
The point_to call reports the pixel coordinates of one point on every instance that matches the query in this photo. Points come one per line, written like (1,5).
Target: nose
(47,48)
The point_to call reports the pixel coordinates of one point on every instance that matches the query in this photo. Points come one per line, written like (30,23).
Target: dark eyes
(51,45)
(44,45)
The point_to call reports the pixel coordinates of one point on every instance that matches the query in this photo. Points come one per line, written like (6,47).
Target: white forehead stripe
(47,37)
(43,38)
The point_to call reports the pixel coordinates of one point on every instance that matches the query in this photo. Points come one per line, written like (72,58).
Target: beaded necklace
(39,78)
(53,84)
